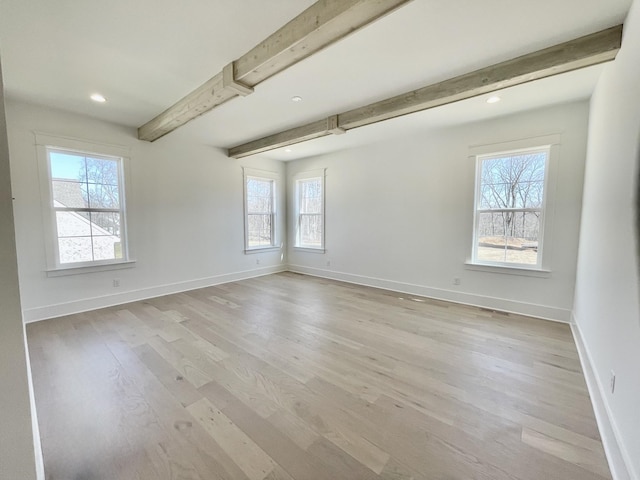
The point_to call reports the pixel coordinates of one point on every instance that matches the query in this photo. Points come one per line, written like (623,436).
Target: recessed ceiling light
(288,150)
(96,97)
(296,99)
(493,99)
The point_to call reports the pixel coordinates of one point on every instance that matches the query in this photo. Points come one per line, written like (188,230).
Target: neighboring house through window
(260,210)
(511,190)
(309,188)
(84,203)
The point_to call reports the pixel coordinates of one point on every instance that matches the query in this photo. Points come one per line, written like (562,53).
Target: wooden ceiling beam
(323,23)
(582,52)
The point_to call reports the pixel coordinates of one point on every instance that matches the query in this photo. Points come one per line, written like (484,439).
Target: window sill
(249,251)
(503,269)
(63,271)
(309,249)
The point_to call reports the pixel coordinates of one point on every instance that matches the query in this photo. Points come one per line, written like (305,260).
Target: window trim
(272,177)
(308,175)
(550,143)
(46,143)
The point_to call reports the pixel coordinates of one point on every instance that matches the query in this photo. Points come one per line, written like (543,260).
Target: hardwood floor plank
(291,457)
(279,474)
(171,379)
(180,362)
(331,454)
(181,428)
(294,427)
(584,457)
(248,456)
(289,377)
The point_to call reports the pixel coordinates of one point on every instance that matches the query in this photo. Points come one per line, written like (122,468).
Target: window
(87,207)
(83,203)
(510,208)
(310,211)
(259,211)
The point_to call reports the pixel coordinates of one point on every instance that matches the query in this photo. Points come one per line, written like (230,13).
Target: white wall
(17,459)
(185,216)
(399,214)
(607,308)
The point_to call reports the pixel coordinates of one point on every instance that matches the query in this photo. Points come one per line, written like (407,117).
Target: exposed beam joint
(230,83)
(333,126)
(582,52)
(322,24)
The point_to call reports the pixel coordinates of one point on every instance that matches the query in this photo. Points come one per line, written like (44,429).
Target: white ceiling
(144,55)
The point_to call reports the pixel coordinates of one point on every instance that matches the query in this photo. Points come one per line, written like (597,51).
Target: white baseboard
(494,303)
(37,443)
(617,455)
(84,305)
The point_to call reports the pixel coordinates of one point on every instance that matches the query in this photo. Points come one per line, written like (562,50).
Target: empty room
(333,239)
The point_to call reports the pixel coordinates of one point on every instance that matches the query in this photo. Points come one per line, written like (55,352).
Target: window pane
(69,194)
(311,231)
(75,249)
(103,196)
(105,223)
(101,170)
(311,196)
(73,224)
(259,204)
(67,166)
(253,204)
(514,181)
(252,186)
(525,225)
(107,248)
(510,237)
(259,231)
(259,195)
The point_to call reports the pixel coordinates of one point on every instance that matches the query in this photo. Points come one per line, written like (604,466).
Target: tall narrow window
(87,208)
(510,201)
(310,212)
(260,212)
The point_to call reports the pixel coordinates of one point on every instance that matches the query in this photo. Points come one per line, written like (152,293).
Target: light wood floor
(293,377)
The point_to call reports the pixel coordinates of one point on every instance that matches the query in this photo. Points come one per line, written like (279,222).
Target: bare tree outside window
(101,178)
(509,207)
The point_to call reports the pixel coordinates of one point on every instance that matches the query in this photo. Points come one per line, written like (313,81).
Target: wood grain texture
(582,52)
(282,139)
(323,23)
(289,377)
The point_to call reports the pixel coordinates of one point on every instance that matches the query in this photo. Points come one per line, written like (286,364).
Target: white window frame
(298,179)
(45,144)
(262,175)
(550,144)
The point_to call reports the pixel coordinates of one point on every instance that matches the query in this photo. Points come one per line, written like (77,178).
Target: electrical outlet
(116,282)
(257,261)
(456,281)
(612,381)
(328,263)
